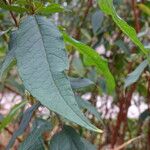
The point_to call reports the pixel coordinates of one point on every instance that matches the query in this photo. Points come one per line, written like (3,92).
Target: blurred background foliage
(123,115)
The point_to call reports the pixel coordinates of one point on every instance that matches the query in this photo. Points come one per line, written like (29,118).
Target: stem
(136,13)
(12,14)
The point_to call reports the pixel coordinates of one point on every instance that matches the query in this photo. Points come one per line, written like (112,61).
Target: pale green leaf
(41,62)
(135,75)
(108,8)
(94,59)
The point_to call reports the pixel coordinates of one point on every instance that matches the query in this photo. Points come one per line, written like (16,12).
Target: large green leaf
(70,140)
(134,76)
(41,61)
(108,8)
(93,59)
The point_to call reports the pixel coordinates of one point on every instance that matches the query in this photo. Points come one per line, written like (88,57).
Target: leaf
(70,140)
(10,56)
(97,20)
(17,9)
(8,61)
(144,115)
(41,61)
(123,46)
(39,127)
(11,115)
(94,59)
(23,125)
(144,8)
(53,8)
(135,75)
(80,83)
(19,88)
(87,105)
(88,145)
(108,8)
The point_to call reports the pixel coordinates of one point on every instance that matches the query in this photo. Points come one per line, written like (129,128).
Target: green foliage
(98,66)
(70,140)
(134,76)
(94,60)
(8,119)
(23,124)
(108,8)
(34,140)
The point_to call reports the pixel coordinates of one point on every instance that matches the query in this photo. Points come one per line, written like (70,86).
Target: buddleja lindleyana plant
(37,47)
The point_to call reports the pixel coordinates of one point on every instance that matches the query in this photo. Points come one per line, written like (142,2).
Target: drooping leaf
(41,61)
(97,19)
(39,127)
(93,59)
(70,140)
(6,120)
(134,76)
(87,105)
(108,8)
(23,124)
(80,83)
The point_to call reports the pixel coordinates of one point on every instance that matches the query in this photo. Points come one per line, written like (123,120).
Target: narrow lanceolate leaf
(10,57)
(70,140)
(78,84)
(41,61)
(108,8)
(39,127)
(87,105)
(5,121)
(23,125)
(135,75)
(94,59)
